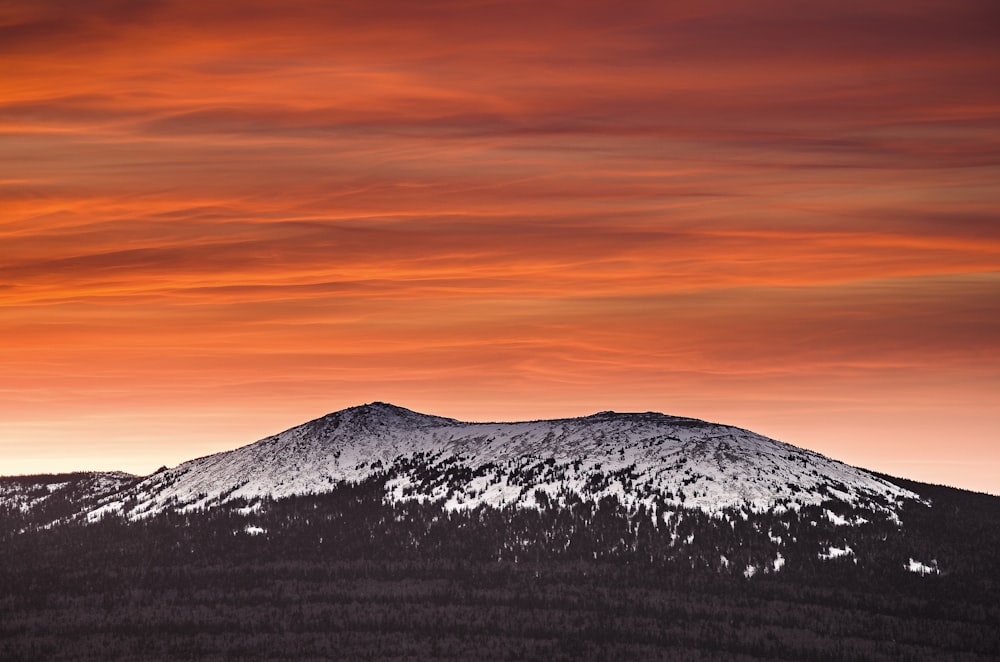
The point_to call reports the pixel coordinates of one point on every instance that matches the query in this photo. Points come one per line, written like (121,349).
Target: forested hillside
(351,575)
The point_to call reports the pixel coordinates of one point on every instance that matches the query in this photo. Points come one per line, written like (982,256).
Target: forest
(351,575)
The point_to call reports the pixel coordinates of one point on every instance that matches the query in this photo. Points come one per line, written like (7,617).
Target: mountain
(611,485)
(381,533)
(639,458)
(27,501)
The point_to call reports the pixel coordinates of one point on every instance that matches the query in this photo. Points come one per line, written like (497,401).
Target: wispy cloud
(498,205)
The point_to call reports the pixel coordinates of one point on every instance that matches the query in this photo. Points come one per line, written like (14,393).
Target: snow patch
(251,509)
(101,512)
(836,519)
(920,568)
(836,553)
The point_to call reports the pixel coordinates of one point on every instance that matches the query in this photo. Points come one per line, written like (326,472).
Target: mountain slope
(28,501)
(642,458)
(371,533)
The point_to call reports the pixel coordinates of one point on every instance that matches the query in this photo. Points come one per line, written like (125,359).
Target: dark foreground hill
(347,575)
(443,550)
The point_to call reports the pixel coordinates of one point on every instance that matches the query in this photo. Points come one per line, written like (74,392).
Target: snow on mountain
(646,458)
(45,499)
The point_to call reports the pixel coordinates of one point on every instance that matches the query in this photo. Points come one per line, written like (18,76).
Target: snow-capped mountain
(349,511)
(650,459)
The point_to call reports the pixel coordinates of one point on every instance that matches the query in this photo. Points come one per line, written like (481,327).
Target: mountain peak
(639,458)
(377,410)
(378,405)
(384,413)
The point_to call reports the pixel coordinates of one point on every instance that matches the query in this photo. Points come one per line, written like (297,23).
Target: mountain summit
(379,532)
(645,459)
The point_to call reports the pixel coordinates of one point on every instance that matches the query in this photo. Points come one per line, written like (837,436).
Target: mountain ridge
(394,564)
(638,457)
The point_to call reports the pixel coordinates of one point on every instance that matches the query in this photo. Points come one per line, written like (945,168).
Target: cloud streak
(747,211)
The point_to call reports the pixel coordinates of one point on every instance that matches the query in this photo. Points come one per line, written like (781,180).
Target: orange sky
(221,219)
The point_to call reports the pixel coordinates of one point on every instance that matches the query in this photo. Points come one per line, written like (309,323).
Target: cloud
(493,201)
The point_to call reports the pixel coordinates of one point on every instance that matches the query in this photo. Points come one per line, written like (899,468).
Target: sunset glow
(219,220)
